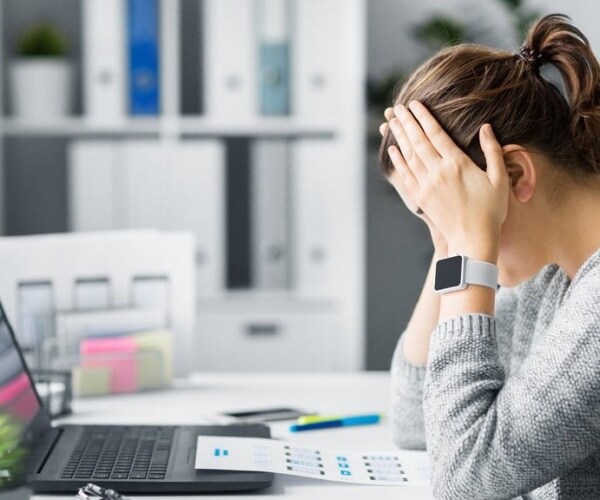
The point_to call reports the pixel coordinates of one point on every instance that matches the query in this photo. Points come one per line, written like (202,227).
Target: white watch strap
(478,272)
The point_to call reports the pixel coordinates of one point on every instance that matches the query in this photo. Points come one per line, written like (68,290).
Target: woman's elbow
(407,433)
(408,441)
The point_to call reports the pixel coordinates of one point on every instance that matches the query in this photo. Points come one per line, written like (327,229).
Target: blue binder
(274,78)
(274,22)
(144,77)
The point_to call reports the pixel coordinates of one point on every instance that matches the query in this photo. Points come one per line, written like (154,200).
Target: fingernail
(488,131)
(398,110)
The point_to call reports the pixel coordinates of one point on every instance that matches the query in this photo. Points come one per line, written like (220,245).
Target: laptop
(130,459)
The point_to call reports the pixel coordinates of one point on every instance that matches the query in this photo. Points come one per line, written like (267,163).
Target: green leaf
(441,31)
(12,456)
(42,40)
(512,5)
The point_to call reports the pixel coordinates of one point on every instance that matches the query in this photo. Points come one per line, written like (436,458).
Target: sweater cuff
(413,374)
(482,324)
(467,336)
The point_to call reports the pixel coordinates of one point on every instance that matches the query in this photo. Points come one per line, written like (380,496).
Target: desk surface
(192,402)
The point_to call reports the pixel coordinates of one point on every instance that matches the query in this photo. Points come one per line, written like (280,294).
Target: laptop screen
(18,399)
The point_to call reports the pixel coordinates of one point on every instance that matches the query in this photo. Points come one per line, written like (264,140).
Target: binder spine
(144,92)
(230,59)
(104,61)
(92,166)
(274,85)
(274,57)
(317,62)
(270,223)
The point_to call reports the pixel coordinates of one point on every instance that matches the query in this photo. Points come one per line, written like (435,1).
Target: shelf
(185,127)
(266,301)
(76,127)
(263,126)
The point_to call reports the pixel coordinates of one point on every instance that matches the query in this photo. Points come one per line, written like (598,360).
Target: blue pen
(341,422)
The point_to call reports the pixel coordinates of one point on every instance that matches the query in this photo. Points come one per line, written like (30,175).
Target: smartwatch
(457,272)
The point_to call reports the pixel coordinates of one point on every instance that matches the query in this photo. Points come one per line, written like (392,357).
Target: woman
(504,167)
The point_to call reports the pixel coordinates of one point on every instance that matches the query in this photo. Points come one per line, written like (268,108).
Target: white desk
(190,402)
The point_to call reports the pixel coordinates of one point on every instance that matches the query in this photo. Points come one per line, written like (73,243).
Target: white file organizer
(121,257)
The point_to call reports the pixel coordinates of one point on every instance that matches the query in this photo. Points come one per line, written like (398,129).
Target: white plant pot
(41,88)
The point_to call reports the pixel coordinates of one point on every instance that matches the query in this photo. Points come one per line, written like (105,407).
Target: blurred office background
(251,124)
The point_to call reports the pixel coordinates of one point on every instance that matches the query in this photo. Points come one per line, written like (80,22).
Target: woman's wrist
(474,299)
(485,248)
(440,245)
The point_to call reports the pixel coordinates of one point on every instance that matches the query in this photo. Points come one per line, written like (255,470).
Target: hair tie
(531,57)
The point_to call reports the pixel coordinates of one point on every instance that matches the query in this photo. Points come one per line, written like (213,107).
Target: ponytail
(553,39)
(466,86)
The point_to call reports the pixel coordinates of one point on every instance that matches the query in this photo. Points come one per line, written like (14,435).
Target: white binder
(139,186)
(91,167)
(318,228)
(104,60)
(270,217)
(316,56)
(230,59)
(195,201)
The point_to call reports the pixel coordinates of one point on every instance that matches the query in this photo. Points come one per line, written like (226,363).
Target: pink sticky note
(115,353)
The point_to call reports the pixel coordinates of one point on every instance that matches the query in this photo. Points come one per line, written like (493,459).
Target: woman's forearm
(424,319)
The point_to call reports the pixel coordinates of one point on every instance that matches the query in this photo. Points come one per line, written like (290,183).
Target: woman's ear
(520,166)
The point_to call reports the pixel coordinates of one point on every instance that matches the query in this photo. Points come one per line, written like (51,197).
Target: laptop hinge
(43,449)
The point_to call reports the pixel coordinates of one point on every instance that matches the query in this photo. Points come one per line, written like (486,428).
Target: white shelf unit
(319,323)
(178,127)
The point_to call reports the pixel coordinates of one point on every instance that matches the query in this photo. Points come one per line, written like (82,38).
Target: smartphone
(266,415)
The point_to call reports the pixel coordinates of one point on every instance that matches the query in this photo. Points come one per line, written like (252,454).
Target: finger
(440,140)
(417,137)
(398,181)
(411,159)
(403,170)
(494,159)
(388,113)
(383,128)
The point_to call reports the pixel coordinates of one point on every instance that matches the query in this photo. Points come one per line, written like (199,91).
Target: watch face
(448,273)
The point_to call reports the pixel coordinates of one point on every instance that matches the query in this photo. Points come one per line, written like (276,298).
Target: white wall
(391,44)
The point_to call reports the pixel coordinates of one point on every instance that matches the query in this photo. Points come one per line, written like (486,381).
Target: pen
(313,419)
(340,422)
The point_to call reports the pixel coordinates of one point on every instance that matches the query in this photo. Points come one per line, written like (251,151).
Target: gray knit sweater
(510,405)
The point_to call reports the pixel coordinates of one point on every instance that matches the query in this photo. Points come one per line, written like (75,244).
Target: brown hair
(468,85)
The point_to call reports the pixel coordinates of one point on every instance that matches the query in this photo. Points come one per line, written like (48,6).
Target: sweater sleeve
(408,428)
(491,437)
(407,381)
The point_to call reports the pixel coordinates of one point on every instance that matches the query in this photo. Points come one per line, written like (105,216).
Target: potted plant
(41,75)
(12,457)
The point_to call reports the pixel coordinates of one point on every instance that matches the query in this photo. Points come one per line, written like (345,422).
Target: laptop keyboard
(121,453)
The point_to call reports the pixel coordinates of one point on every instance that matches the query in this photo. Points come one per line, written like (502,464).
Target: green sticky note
(150,370)
(148,345)
(91,381)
